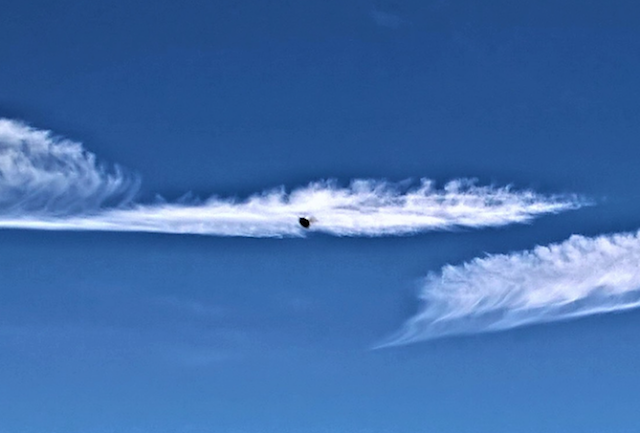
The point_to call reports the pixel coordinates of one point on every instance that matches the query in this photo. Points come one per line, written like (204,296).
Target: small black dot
(304,222)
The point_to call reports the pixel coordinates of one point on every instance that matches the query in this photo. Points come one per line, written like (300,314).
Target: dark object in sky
(304,222)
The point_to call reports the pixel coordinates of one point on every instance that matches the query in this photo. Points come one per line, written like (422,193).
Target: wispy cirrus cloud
(578,277)
(49,183)
(41,173)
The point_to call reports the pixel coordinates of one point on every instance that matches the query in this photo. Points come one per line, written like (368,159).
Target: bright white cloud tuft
(578,277)
(53,184)
(40,173)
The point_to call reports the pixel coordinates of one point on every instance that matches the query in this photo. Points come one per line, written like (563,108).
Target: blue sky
(223,315)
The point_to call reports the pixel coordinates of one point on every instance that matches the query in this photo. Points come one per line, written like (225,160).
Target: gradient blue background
(105,332)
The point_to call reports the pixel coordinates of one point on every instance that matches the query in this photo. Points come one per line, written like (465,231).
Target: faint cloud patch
(439,4)
(300,305)
(191,306)
(386,19)
(200,356)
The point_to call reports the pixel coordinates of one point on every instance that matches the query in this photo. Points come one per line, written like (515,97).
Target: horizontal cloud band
(578,277)
(49,183)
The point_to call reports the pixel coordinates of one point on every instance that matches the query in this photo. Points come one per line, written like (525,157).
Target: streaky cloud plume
(48,183)
(44,174)
(579,277)
(365,208)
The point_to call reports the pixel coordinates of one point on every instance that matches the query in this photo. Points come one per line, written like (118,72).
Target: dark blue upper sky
(105,332)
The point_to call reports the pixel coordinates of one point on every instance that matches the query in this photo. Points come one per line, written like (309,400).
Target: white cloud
(41,173)
(365,208)
(53,184)
(578,277)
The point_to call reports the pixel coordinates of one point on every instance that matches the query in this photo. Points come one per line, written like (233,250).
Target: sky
(469,168)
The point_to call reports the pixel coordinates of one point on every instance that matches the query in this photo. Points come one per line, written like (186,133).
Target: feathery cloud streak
(579,277)
(44,174)
(49,183)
